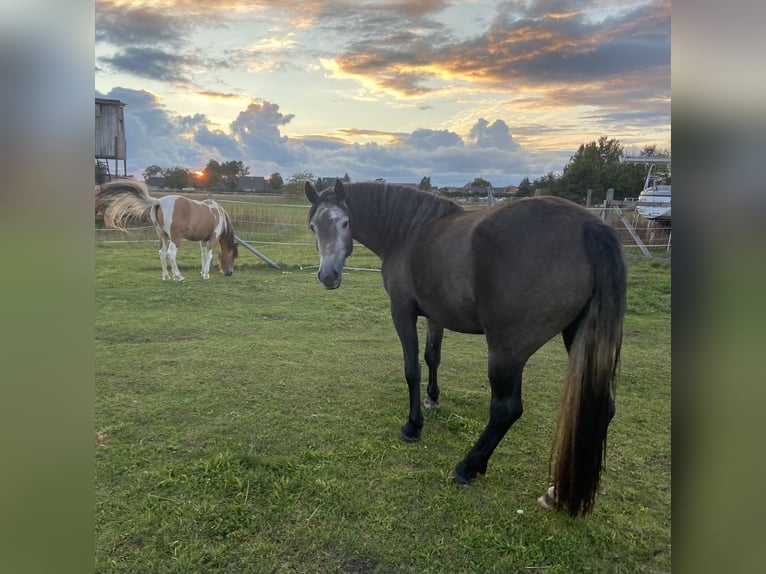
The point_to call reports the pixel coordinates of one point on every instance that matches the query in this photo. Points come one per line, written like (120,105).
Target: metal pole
(253,250)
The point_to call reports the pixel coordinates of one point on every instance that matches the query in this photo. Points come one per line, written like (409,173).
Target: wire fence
(269,222)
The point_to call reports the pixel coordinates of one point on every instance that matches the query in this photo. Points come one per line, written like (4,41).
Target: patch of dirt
(101,438)
(359,566)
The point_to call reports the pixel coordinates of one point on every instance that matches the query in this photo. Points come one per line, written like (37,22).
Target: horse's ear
(340,191)
(311,193)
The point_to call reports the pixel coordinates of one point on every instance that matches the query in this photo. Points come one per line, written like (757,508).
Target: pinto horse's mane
(227,235)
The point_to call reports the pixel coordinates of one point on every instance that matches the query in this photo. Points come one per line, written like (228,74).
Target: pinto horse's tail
(123,200)
(587,402)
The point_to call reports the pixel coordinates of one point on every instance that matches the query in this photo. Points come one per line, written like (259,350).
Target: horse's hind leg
(163,258)
(433,355)
(172,252)
(505,408)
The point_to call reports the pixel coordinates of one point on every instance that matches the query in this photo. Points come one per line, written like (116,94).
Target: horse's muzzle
(330,279)
(228,272)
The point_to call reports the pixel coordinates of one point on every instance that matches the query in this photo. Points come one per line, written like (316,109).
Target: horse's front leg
(433,357)
(207,256)
(405,322)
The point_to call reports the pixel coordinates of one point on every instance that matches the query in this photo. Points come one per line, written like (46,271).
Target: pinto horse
(518,272)
(175,217)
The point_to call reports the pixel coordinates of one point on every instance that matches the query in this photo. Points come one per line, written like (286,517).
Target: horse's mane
(394,211)
(227,234)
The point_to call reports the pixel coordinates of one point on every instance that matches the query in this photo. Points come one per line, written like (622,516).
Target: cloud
(257,128)
(150,63)
(432,139)
(155,135)
(141,25)
(527,43)
(496,135)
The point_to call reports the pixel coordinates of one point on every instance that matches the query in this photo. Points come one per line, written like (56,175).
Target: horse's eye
(345,224)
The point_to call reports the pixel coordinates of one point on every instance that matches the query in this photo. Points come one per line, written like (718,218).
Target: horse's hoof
(457,479)
(548,500)
(408,438)
(408,434)
(431,404)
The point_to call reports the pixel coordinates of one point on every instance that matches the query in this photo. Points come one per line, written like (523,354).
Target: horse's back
(531,269)
(518,267)
(181,217)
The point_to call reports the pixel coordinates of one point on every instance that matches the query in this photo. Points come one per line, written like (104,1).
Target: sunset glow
(484,87)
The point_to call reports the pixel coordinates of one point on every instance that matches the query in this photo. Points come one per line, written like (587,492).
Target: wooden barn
(110,139)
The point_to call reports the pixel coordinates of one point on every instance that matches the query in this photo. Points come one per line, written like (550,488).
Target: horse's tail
(123,200)
(587,403)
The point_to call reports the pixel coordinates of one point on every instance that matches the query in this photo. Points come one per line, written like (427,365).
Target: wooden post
(589,198)
(538,192)
(607,213)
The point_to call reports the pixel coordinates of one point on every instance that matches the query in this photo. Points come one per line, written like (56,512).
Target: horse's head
(329,221)
(228,251)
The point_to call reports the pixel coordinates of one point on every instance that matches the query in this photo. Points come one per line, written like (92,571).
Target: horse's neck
(386,219)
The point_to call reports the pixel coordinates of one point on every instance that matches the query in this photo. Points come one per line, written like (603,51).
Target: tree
(224,176)
(525,189)
(480,182)
(231,171)
(212,178)
(425,184)
(296,183)
(153,171)
(275,181)
(176,178)
(595,166)
(548,184)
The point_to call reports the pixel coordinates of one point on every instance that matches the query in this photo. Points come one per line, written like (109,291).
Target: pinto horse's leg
(433,356)
(172,251)
(505,408)
(207,256)
(163,258)
(405,322)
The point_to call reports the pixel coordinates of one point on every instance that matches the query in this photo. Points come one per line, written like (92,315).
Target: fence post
(538,192)
(607,213)
(589,198)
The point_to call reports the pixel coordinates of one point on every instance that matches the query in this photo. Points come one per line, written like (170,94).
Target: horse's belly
(444,286)
(452,310)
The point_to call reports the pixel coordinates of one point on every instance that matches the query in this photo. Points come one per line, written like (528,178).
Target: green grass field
(249,425)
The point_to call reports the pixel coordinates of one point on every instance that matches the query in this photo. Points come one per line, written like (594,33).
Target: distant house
(154,182)
(251,183)
(482,190)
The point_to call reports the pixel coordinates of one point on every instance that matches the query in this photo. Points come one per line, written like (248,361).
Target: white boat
(654,200)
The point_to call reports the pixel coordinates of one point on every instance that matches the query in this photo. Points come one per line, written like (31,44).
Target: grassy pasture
(249,424)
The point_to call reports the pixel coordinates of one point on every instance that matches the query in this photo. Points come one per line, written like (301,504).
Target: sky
(392,89)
